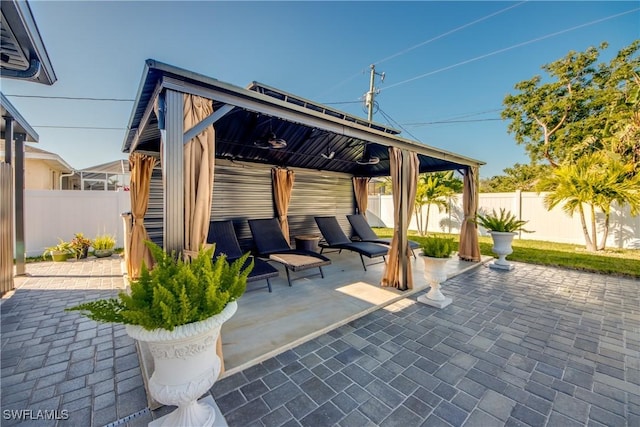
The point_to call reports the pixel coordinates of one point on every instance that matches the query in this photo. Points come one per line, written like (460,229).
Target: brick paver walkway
(53,360)
(535,346)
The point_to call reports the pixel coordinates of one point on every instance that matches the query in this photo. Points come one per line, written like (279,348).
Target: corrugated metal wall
(242,191)
(6,227)
(153,218)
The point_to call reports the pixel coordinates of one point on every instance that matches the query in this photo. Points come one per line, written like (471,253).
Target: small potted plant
(502,227)
(103,245)
(436,251)
(80,245)
(178,308)
(59,252)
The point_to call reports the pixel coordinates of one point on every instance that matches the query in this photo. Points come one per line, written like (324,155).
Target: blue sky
(443,61)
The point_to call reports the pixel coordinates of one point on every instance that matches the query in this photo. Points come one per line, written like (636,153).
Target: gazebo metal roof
(243,116)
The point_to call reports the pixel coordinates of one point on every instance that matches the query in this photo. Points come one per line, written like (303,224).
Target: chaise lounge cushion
(336,239)
(363,230)
(270,242)
(224,236)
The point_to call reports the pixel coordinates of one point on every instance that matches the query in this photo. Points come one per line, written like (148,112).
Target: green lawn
(624,262)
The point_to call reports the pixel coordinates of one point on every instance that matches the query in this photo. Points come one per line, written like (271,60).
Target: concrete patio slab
(269,323)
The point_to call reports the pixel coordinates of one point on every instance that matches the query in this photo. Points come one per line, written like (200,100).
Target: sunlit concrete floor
(269,323)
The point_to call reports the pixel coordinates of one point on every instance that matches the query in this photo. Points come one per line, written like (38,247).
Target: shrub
(505,221)
(104,242)
(174,292)
(438,247)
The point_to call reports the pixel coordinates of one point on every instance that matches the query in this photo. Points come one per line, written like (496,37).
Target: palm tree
(433,189)
(573,184)
(597,181)
(619,185)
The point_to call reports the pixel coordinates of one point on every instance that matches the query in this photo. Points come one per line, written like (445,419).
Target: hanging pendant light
(270,140)
(329,155)
(367,158)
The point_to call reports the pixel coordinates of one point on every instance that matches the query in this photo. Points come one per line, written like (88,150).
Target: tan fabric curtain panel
(469,248)
(141,167)
(282,181)
(199,159)
(361,191)
(391,276)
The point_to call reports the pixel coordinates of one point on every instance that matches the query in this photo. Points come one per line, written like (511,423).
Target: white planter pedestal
(435,273)
(219,420)
(502,248)
(186,367)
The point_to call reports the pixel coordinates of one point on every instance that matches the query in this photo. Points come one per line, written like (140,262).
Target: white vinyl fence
(553,226)
(53,214)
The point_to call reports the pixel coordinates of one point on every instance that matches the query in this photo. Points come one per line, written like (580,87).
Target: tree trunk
(426,222)
(418,212)
(589,244)
(594,229)
(605,231)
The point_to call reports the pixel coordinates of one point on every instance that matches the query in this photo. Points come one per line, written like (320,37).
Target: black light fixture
(367,158)
(270,141)
(329,155)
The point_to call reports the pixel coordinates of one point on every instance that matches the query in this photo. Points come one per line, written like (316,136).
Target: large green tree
(518,177)
(582,116)
(580,108)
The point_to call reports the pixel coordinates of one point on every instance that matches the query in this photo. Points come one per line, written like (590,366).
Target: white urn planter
(435,272)
(186,367)
(502,248)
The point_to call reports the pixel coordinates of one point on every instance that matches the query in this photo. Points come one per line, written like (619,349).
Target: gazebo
(201,149)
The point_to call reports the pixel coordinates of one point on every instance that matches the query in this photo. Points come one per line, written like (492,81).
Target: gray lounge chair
(336,239)
(270,242)
(224,236)
(365,233)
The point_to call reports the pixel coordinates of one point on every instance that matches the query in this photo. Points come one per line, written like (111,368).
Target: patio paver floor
(534,346)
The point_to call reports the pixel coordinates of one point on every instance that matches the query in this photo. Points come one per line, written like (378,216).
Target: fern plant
(174,292)
(504,221)
(438,247)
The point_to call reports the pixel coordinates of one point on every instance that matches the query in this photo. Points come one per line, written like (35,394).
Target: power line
(510,48)
(71,98)
(78,127)
(449,121)
(402,52)
(342,102)
(396,124)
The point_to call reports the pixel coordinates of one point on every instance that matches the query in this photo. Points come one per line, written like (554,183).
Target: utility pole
(370,96)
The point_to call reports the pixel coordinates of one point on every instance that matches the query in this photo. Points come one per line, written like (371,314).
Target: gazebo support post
(172,172)
(19,202)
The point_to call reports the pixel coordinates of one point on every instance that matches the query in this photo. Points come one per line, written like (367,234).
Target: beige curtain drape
(361,191)
(199,165)
(391,275)
(199,158)
(469,248)
(141,167)
(282,182)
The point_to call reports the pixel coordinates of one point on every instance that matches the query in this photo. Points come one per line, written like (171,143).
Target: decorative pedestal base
(434,303)
(496,266)
(208,400)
